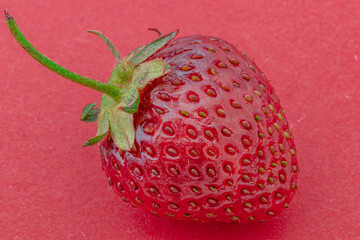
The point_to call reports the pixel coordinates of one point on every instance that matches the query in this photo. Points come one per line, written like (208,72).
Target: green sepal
(133,53)
(119,115)
(143,74)
(108,43)
(130,101)
(102,122)
(94,140)
(129,96)
(122,72)
(103,125)
(148,71)
(122,129)
(133,107)
(121,75)
(89,113)
(151,49)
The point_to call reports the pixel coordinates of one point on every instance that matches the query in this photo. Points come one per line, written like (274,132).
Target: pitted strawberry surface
(212,141)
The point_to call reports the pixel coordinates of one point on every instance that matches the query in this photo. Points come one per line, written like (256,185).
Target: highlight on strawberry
(189,129)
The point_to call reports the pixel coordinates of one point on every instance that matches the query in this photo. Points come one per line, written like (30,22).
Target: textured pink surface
(51,188)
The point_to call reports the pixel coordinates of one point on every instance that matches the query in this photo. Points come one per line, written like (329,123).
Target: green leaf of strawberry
(89,113)
(148,71)
(122,132)
(108,43)
(94,140)
(150,49)
(130,101)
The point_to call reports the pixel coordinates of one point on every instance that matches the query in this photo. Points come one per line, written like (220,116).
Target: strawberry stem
(113,91)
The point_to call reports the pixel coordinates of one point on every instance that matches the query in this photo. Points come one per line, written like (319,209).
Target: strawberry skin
(212,141)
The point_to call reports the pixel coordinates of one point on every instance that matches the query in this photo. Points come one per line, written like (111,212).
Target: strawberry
(191,129)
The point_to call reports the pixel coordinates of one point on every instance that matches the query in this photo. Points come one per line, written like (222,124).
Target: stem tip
(155,30)
(8,17)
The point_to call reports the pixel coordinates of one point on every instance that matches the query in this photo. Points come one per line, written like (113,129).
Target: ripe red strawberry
(204,141)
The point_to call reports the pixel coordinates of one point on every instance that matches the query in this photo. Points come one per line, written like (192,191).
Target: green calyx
(121,97)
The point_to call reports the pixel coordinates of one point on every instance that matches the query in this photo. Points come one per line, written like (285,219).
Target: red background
(51,188)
